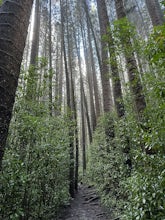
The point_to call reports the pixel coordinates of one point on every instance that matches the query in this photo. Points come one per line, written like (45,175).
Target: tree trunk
(131,64)
(60,79)
(155,12)
(77,152)
(36,31)
(118,99)
(83,97)
(74,134)
(94,78)
(50,58)
(32,78)
(83,139)
(87,116)
(107,99)
(68,89)
(93,33)
(83,133)
(90,81)
(14,21)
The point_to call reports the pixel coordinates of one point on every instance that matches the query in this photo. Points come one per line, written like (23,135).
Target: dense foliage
(34,181)
(129,169)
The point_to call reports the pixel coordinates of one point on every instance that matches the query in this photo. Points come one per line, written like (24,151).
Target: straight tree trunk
(83,139)
(84,99)
(87,116)
(90,81)
(77,151)
(32,79)
(117,92)
(57,72)
(83,133)
(77,45)
(36,31)
(93,33)
(131,64)
(14,21)
(73,176)
(68,89)
(60,80)
(107,99)
(50,58)
(155,12)
(60,72)
(94,78)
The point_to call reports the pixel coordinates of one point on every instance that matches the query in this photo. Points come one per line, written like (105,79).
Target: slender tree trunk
(117,92)
(57,73)
(77,152)
(90,81)
(14,21)
(77,44)
(133,74)
(60,80)
(93,33)
(68,88)
(94,78)
(83,139)
(107,98)
(50,58)
(104,70)
(87,116)
(155,12)
(32,79)
(83,133)
(27,49)
(84,99)
(36,31)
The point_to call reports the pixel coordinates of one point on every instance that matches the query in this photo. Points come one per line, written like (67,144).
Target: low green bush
(34,179)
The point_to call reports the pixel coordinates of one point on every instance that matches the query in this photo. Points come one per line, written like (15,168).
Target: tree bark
(68,89)
(90,81)
(32,78)
(107,97)
(87,116)
(94,78)
(155,12)
(14,21)
(117,92)
(36,31)
(50,58)
(131,64)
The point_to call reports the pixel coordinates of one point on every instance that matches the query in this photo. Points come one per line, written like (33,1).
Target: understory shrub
(107,166)
(128,167)
(34,179)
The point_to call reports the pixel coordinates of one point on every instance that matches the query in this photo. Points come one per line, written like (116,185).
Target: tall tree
(32,80)
(68,90)
(83,102)
(107,99)
(50,58)
(93,71)
(117,92)
(155,12)
(131,64)
(90,80)
(71,62)
(14,21)
(36,31)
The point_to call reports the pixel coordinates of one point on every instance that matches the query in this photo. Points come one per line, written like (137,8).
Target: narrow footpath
(85,206)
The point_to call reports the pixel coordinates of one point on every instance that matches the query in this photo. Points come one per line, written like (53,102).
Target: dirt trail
(85,206)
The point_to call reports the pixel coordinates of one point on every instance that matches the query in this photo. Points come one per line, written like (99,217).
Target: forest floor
(85,206)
